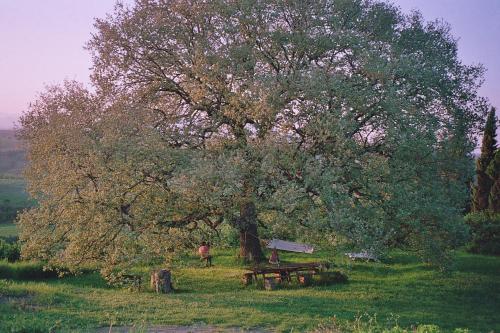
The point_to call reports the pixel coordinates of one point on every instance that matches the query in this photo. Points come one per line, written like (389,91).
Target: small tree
(481,191)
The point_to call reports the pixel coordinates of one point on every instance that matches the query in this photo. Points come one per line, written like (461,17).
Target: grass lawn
(402,289)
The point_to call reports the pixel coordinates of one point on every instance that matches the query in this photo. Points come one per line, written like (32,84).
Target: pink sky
(42,43)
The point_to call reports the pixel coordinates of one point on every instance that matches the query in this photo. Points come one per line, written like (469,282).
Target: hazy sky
(41,42)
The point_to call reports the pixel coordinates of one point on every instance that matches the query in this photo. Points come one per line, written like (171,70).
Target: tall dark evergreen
(494,172)
(482,189)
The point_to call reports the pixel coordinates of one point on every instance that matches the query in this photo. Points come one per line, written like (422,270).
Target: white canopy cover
(289,246)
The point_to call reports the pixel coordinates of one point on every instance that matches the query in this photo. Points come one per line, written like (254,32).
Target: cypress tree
(494,172)
(484,182)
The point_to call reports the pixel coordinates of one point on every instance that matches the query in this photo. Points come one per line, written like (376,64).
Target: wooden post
(161,281)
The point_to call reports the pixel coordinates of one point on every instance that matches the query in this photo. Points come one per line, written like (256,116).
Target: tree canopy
(332,119)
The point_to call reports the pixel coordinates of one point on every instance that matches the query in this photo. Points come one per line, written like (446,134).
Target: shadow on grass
(487,265)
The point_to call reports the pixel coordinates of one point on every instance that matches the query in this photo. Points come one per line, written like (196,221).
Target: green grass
(403,288)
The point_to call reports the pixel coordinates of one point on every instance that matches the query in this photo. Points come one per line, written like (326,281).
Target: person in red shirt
(274,259)
(204,251)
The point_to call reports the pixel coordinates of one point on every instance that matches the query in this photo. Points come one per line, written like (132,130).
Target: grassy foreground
(400,290)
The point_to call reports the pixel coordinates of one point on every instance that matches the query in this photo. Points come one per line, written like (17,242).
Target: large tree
(331,117)
(493,172)
(484,182)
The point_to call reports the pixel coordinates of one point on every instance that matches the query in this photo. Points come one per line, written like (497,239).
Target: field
(8,141)
(12,154)
(13,190)
(399,291)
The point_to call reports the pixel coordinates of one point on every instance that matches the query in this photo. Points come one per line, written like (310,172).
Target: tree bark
(250,249)
(161,281)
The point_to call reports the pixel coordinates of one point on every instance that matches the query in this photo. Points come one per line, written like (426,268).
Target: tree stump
(247,279)
(161,281)
(269,284)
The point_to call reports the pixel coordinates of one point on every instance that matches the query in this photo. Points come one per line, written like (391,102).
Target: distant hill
(12,154)
(8,141)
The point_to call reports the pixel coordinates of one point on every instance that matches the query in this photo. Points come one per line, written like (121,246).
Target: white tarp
(363,255)
(289,246)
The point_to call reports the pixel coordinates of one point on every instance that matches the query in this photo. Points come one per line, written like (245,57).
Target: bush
(132,282)
(11,252)
(25,270)
(485,232)
(329,278)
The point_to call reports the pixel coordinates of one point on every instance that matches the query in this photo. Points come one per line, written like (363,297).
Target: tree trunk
(250,249)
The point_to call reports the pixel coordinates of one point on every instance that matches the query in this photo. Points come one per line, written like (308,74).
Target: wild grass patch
(417,296)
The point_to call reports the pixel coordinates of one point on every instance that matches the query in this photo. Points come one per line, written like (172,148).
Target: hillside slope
(12,154)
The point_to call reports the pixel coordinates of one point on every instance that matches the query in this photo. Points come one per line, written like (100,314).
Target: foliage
(404,293)
(482,190)
(326,120)
(485,229)
(122,280)
(493,172)
(25,270)
(11,252)
(329,278)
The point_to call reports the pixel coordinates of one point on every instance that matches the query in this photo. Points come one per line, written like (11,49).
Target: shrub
(132,282)
(329,278)
(485,232)
(11,252)
(25,270)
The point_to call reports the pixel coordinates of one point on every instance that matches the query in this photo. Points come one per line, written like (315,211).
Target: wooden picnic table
(285,271)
